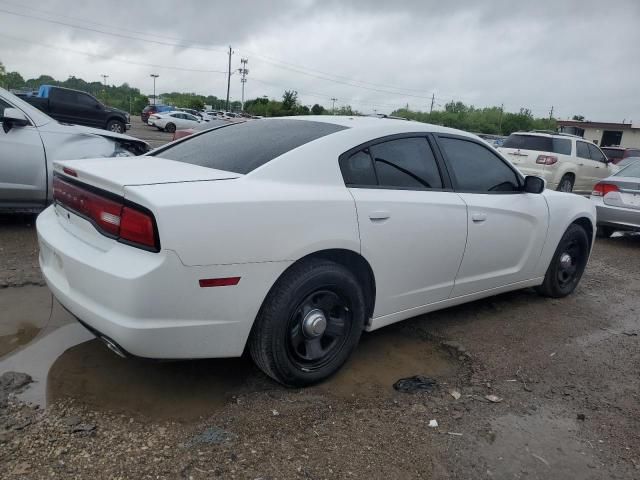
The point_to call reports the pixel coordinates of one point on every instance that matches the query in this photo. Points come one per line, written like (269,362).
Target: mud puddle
(66,361)
(24,312)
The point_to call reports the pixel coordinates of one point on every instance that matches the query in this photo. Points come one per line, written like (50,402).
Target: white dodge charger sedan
(291,236)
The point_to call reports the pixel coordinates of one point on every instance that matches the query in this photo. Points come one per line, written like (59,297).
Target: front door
(413,228)
(23,173)
(507,227)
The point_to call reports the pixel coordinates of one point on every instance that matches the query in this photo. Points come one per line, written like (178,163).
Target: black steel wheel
(309,323)
(568,263)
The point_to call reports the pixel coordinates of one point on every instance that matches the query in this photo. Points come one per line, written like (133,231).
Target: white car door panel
(506,236)
(507,228)
(412,230)
(414,241)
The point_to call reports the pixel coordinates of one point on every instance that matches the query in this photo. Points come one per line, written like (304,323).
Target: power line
(108,57)
(104,32)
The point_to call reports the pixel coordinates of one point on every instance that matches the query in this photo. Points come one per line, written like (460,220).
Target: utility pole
(551,113)
(433,99)
(229,77)
(243,79)
(154,75)
(104,78)
(333,105)
(500,119)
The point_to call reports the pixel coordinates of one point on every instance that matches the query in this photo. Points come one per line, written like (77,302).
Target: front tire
(566,183)
(309,324)
(116,126)
(170,127)
(568,263)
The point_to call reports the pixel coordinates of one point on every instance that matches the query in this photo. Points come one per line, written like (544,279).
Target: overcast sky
(579,56)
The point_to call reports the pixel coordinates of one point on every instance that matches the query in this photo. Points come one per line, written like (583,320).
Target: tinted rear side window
(582,150)
(243,147)
(538,143)
(406,163)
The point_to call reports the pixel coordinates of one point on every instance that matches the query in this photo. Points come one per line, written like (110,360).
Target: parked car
(29,143)
(151,109)
(218,122)
(291,236)
(616,154)
(617,201)
(493,140)
(567,162)
(171,121)
(78,108)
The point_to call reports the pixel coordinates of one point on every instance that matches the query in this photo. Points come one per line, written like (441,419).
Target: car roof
(379,124)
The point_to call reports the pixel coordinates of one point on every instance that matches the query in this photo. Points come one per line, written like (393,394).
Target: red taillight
(137,227)
(602,188)
(70,171)
(546,159)
(110,217)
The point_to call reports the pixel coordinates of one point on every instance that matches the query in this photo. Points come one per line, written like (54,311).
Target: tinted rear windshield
(243,147)
(613,153)
(539,143)
(632,170)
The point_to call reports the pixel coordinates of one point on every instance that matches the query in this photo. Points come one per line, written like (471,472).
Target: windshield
(631,170)
(538,143)
(613,153)
(37,117)
(244,146)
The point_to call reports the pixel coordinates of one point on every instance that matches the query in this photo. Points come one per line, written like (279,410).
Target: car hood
(136,145)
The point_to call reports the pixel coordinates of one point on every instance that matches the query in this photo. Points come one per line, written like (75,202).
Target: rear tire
(116,126)
(566,183)
(309,324)
(170,127)
(568,263)
(605,232)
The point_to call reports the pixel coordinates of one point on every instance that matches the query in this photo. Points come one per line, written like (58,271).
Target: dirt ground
(564,374)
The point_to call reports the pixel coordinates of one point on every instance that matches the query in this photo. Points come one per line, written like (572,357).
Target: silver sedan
(617,200)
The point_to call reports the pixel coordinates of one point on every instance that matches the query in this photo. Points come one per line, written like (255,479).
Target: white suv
(567,162)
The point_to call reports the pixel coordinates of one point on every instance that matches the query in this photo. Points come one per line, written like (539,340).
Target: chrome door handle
(478,217)
(379,215)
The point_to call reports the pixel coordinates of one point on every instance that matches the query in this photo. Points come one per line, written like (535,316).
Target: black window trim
(444,174)
(497,154)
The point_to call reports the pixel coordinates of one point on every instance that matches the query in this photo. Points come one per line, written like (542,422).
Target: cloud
(577,56)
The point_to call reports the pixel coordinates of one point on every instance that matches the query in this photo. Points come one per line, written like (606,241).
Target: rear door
(584,178)
(413,227)
(23,172)
(506,226)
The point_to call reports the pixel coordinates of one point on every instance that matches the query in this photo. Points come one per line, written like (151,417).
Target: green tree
(318,110)
(579,118)
(13,80)
(289,100)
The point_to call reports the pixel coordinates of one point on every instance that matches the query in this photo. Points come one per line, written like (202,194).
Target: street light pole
(154,75)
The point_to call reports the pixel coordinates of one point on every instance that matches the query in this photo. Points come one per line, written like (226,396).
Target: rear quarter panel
(564,209)
(244,220)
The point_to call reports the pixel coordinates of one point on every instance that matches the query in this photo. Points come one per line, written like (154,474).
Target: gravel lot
(565,372)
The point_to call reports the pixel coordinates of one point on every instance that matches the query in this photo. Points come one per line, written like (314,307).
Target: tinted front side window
(243,147)
(582,150)
(596,154)
(477,169)
(406,163)
(86,100)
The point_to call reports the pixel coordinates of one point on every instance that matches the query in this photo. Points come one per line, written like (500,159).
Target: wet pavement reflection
(66,361)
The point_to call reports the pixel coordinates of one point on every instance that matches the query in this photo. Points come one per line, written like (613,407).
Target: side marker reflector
(219,282)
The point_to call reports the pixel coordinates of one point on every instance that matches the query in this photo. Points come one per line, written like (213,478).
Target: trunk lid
(628,195)
(114,174)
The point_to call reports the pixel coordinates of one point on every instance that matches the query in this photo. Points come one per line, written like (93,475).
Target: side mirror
(13,118)
(533,184)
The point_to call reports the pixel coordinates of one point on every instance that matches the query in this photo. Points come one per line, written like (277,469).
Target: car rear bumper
(617,217)
(149,304)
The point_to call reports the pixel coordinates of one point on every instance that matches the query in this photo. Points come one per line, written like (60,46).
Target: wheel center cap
(314,323)
(565,260)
